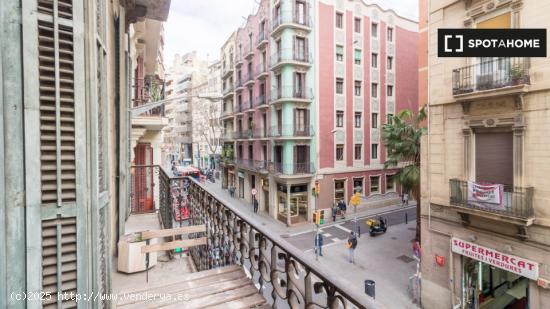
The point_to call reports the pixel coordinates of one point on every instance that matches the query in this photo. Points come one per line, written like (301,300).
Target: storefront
(292,203)
(493,279)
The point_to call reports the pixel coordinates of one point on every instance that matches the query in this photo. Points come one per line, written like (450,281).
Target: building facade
(186,76)
(485,220)
(304,109)
(65,85)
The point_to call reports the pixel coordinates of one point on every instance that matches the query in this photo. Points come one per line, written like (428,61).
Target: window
(300,49)
(375,184)
(390,183)
(389,91)
(299,82)
(339,53)
(357,88)
(339,190)
(374,30)
(389,119)
(374,151)
(390,63)
(374,60)
(357,152)
(340,152)
(339,20)
(357,25)
(339,86)
(339,119)
(250,152)
(374,120)
(301,121)
(300,15)
(358,56)
(390,35)
(358,119)
(374,90)
(358,185)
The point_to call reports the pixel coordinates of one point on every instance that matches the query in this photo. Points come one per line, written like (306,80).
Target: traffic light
(317,187)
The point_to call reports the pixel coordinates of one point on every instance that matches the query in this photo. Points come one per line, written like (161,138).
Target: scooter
(377,226)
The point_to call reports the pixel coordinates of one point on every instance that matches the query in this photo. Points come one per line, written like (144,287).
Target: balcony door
(301,122)
(301,159)
(299,48)
(299,85)
(300,13)
(494,157)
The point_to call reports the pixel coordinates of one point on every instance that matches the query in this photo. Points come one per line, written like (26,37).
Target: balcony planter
(518,75)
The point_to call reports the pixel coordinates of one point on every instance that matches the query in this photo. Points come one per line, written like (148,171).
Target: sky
(204,25)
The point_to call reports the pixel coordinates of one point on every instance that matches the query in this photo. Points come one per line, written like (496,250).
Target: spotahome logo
(491,42)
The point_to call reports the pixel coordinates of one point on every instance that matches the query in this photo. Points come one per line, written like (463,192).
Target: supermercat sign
(508,262)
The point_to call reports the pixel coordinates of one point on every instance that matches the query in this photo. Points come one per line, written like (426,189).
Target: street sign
(254,191)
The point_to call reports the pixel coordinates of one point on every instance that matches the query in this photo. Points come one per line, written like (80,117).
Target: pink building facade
(310,87)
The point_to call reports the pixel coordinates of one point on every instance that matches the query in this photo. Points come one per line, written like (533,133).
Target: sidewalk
(287,231)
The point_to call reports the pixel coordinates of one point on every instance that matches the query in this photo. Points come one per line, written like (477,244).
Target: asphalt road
(340,231)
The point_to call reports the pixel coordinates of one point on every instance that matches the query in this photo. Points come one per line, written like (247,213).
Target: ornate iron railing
(283,274)
(491,74)
(516,201)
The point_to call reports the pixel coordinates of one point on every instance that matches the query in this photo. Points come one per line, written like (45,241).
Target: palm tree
(401,137)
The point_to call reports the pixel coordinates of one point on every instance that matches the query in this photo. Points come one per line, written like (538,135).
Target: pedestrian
(343,209)
(334,212)
(319,243)
(231,191)
(255,203)
(405,199)
(352,244)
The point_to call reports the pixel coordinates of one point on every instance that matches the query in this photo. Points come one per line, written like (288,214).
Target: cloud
(203,25)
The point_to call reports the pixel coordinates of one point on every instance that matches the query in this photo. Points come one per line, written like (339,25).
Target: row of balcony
(274,131)
(296,168)
(290,19)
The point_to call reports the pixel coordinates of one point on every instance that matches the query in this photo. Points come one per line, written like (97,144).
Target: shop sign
(508,262)
(485,193)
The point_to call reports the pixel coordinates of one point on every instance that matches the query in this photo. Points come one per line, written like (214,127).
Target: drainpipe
(13,278)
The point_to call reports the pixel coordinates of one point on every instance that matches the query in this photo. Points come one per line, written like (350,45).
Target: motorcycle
(377,226)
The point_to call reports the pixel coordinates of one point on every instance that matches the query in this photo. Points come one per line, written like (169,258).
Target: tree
(209,127)
(402,140)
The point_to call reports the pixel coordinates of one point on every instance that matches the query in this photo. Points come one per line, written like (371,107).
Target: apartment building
(66,89)
(302,108)
(485,220)
(188,72)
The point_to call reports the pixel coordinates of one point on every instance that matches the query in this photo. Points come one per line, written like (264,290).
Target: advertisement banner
(485,193)
(523,267)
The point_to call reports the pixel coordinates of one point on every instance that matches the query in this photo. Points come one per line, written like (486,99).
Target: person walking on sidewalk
(334,212)
(319,243)
(343,208)
(352,244)
(405,199)
(255,203)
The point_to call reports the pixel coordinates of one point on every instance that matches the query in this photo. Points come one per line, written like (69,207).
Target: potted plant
(517,73)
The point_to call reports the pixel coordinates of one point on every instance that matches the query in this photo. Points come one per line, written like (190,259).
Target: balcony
(227,71)
(261,71)
(292,169)
(249,54)
(260,102)
(227,113)
(288,19)
(247,106)
(290,93)
(262,41)
(495,77)
(249,79)
(306,131)
(291,56)
(239,84)
(239,108)
(227,135)
(516,206)
(228,91)
(238,60)
(147,90)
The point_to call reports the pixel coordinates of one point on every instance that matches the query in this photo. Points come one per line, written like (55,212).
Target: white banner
(483,193)
(523,267)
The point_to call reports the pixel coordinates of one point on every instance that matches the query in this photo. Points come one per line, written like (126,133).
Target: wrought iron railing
(491,74)
(261,69)
(292,131)
(146,90)
(291,54)
(292,168)
(283,274)
(516,201)
(260,100)
(289,17)
(290,93)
